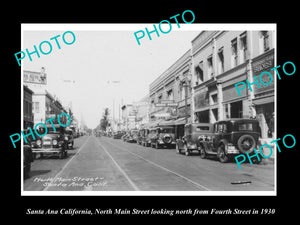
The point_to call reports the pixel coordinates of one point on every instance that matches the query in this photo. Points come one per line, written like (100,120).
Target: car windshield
(202,128)
(167,130)
(134,132)
(246,126)
(69,132)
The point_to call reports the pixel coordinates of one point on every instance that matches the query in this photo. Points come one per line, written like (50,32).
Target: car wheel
(178,150)
(202,152)
(246,143)
(186,151)
(223,157)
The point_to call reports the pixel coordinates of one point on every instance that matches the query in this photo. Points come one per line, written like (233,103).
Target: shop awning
(180,121)
(154,123)
(262,101)
(167,123)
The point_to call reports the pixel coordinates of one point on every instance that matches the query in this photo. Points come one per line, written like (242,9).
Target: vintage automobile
(146,138)
(162,136)
(27,159)
(229,138)
(143,137)
(69,134)
(54,142)
(190,140)
(139,136)
(132,136)
(118,135)
(124,137)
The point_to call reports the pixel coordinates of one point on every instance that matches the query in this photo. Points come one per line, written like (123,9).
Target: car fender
(224,142)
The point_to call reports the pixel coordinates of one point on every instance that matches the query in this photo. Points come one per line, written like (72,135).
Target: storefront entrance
(236,109)
(264,114)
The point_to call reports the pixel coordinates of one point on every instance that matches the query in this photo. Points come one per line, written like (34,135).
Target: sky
(84,71)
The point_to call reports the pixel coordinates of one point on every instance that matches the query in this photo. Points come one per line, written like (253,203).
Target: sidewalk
(266,150)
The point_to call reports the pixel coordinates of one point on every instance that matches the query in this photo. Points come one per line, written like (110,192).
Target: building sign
(262,65)
(173,104)
(201,99)
(162,115)
(34,77)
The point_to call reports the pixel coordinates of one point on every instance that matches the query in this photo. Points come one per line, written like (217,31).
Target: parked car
(229,138)
(69,135)
(54,142)
(118,135)
(124,136)
(192,132)
(27,160)
(139,136)
(132,136)
(145,138)
(162,136)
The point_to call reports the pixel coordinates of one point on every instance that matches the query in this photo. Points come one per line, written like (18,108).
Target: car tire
(223,157)
(241,141)
(186,151)
(202,152)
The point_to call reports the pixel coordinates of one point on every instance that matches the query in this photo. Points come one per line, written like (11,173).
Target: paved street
(106,164)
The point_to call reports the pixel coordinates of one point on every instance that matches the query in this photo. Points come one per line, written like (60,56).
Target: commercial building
(170,93)
(27,108)
(134,115)
(220,60)
(44,105)
(201,83)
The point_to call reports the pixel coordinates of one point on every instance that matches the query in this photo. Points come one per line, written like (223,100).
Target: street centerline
(157,165)
(118,166)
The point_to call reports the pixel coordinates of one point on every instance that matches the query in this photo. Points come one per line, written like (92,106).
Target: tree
(104,123)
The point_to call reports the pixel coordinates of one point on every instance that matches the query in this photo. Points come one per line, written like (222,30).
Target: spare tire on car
(246,143)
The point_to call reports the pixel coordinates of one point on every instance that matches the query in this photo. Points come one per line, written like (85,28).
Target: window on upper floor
(210,71)
(220,61)
(266,40)
(170,95)
(234,54)
(243,47)
(182,90)
(199,73)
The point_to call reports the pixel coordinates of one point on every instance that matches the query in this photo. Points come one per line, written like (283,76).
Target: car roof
(238,119)
(199,124)
(50,125)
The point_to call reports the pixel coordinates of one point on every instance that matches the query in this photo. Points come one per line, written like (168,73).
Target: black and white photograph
(144,109)
(131,112)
